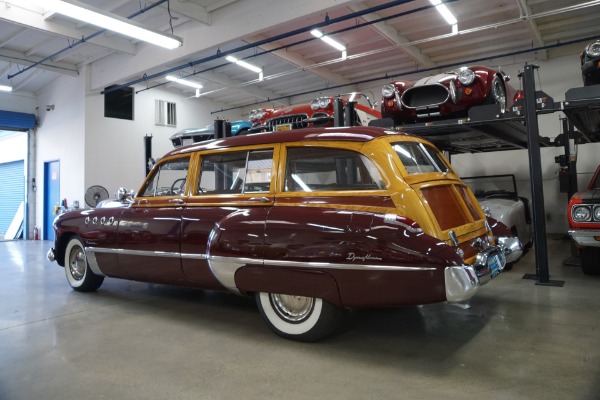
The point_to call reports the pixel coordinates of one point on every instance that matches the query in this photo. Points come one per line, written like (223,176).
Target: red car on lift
(317,113)
(447,95)
(584,224)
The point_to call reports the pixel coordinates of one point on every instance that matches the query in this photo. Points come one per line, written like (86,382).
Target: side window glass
(168,179)
(317,169)
(236,172)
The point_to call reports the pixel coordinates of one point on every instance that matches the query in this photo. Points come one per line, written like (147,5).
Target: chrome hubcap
(77,263)
(292,308)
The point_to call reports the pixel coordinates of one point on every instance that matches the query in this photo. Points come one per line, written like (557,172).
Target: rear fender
(319,284)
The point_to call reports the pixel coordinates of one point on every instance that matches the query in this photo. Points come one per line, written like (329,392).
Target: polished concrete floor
(132,340)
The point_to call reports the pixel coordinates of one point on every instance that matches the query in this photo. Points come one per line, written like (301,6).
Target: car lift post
(349,113)
(338,112)
(570,162)
(537,190)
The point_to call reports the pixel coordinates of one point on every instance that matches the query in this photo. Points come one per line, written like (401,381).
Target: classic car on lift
(584,224)
(195,135)
(317,113)
(590,64)
(310,222)
(447,95)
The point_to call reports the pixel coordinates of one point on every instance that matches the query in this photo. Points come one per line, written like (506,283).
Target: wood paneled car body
(447,95)
(311,222)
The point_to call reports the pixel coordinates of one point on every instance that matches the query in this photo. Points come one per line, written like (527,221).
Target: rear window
(418,158)
(311,169)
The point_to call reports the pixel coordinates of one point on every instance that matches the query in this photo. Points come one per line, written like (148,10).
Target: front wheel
(497,94)
(590,260)
(306,319)
(79,274)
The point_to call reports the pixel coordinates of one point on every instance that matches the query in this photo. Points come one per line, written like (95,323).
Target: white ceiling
(413,38)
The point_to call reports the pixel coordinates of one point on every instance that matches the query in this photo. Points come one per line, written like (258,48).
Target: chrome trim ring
(294,309)
(77,263)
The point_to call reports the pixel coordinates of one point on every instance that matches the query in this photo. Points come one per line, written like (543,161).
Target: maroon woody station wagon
(310,222)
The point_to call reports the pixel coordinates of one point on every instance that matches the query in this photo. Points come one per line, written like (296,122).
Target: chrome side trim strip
(346,266)
(92,262)
(135,252)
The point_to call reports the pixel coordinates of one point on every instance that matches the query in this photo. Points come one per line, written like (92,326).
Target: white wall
(114,149)
(61,136)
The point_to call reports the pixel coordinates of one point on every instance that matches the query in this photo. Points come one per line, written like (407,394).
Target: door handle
(178,201)
(261,199)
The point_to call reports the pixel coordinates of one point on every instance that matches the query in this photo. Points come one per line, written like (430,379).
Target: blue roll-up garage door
(16,121)
(12,182)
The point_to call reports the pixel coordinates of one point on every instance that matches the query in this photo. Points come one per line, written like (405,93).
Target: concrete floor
(132,340)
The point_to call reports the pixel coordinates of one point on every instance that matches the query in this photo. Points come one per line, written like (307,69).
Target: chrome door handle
(261,199)
(178,201)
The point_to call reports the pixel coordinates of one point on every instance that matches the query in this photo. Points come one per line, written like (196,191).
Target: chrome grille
(294,120)
(425,96)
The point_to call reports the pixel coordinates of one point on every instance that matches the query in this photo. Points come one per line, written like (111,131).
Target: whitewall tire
(79,274)
(300,318)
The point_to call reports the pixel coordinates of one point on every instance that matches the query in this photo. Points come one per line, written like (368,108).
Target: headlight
(581,213)
(466,77)
(593,49)
(388,91)
(255,115)
(597,213)
(324,102)
(314,104)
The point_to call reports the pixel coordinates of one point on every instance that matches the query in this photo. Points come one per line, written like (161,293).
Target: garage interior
(519,339)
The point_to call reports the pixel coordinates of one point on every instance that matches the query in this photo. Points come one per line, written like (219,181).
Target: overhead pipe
(84,39)
(295,32)
(416,71)
(299,42)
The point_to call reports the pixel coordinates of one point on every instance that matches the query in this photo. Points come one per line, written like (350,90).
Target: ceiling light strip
(94,16)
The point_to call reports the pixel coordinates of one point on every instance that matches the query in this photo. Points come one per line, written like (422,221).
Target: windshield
(357,97)
(419,158)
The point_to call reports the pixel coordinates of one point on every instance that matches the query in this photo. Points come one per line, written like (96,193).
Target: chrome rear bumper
(463,281)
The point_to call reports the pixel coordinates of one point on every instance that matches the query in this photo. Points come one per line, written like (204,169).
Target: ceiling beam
(533,28)
(393,36)
(189,10)
(16,57)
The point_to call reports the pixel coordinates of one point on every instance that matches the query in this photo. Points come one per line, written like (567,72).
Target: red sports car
(447,95)
(584,223)
(317,113)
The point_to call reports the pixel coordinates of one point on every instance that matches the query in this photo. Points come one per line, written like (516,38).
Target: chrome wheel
(292,308)
(77,263)
(499,94)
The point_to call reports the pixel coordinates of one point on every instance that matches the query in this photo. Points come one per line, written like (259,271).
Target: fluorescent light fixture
(444,12)
(330,41)
(111,22)
(4,88)
(246,65)
(185,82)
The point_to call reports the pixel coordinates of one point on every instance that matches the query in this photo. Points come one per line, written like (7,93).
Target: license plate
(494,264)
(283,127)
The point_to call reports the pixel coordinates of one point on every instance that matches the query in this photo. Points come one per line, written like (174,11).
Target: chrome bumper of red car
(588,238)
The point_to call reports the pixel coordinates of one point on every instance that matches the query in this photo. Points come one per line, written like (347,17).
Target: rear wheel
(590,260)
(301,318)
(497,94)
(79,274)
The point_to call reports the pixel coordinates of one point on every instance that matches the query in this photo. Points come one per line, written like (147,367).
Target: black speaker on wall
(118,103)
